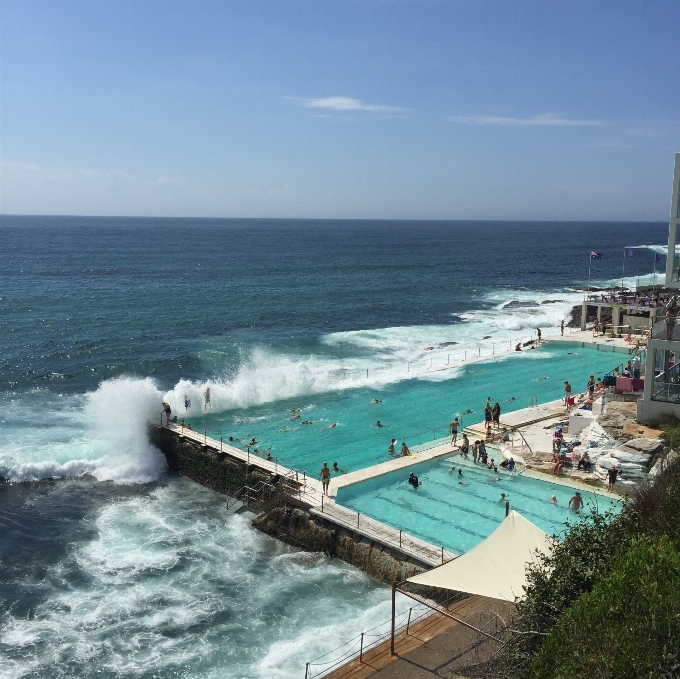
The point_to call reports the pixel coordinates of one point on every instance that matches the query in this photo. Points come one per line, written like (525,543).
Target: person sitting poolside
(504,464)
(491,464)
(561,461)
(489,435)
(404,449)
(584,461)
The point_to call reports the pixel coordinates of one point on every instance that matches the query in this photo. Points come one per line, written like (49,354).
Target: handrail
(350,653)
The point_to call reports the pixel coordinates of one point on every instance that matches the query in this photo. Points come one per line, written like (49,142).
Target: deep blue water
(126,571)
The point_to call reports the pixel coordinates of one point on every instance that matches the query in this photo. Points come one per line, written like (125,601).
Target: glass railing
(669,392)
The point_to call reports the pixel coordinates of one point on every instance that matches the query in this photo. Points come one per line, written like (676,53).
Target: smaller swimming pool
(458,512)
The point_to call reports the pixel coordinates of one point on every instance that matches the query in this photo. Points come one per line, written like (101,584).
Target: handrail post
(358,515)
(322,504)
(507,508)
(205,437)
(394,600)
(408,622)
(361,649)
(220,444)
(307,671)
(400,537)
(442,554)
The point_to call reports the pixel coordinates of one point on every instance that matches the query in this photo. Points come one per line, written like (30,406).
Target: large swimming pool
(458,512)
(407,407)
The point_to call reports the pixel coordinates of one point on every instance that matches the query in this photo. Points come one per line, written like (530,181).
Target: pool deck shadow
(436,647)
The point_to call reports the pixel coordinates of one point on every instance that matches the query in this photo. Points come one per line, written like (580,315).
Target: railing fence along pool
(357,646)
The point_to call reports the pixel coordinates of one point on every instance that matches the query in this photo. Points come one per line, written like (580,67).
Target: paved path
(435,648)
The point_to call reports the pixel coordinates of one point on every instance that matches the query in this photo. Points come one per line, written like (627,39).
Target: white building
(661,396)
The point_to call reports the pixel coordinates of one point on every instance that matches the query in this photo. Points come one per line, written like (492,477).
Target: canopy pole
(394,598)
(439,610)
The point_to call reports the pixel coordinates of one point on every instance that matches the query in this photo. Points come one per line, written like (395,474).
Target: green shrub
(627,627)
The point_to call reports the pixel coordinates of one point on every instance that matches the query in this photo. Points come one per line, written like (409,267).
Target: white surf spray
(102,434)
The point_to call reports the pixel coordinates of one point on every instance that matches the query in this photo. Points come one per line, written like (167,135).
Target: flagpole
(590,259)
(654,279)
(623,270)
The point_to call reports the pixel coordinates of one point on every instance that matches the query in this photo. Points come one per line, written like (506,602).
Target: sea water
(110,565)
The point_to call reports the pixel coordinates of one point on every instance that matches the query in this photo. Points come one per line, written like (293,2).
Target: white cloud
(541,120)
(345,104)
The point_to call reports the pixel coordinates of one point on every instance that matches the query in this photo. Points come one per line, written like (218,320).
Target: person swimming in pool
(413,480)
(375,402)
(379,425)
(503,498)
(553,500)
(390,448)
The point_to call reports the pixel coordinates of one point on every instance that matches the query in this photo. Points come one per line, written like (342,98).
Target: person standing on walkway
(325,477)
(670,324)
(562,327)
(453,428)
(187,402)
(637,364)
(496,415)
(487,416)
(168,411)
(611,479)
(567,393)
(538,336)
(206,394)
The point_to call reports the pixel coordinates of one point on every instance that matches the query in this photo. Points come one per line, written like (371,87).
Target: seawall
(283,512)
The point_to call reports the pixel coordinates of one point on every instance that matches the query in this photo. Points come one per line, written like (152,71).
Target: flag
(595,255)
(657,258)
(629,253)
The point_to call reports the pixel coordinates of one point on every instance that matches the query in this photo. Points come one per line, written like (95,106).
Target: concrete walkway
(434,648)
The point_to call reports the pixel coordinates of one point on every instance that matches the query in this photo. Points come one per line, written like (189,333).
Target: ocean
(109,564)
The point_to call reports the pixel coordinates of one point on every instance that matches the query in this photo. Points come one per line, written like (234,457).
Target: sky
(541,110)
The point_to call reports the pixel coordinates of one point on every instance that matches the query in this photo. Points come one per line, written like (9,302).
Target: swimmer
(469,412)
(252,442)
(453,469)
(404,449)
(570,353)
(295,417)
(462,483)
(390,448)
(496,480)
(503,498)
(332,426)
(553,500)
(337,469)
(375,402)
(509,400)
(377,424)
(575,502)
(545,377)
(307,422)
(285,429)
(460,472)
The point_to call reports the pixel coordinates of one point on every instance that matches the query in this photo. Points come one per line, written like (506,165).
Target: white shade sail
(496,567)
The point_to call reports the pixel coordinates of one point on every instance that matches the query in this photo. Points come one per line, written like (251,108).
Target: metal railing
(364,642)
(390,536)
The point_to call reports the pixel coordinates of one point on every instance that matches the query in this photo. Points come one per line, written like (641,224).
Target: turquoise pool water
(408,406)
(459,516)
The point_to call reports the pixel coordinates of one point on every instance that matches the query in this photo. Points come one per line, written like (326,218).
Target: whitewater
(110,564)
